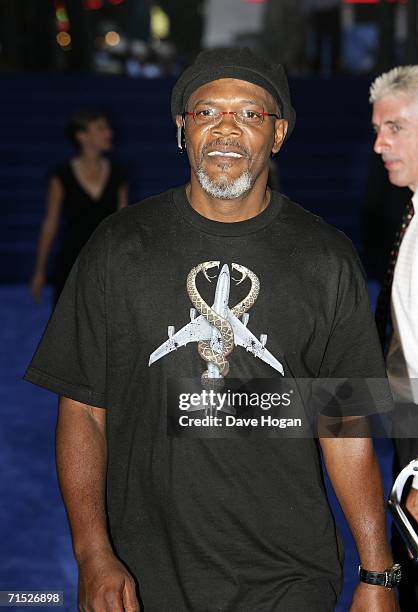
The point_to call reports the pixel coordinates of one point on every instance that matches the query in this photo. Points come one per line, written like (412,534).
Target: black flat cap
(233,63)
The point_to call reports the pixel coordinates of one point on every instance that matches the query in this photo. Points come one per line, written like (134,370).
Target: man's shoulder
(129,225)
(312,231)
(148,210)
(152,213)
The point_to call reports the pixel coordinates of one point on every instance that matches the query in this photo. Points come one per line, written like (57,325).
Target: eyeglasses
(213,116)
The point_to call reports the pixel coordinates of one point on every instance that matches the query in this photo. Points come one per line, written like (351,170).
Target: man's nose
(380,143)
(227,124)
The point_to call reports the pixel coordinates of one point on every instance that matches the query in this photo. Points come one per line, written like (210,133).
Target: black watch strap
(390,578)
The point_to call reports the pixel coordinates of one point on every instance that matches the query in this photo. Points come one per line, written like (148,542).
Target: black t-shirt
(231,524)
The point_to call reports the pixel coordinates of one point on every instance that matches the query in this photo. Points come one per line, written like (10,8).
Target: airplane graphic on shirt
(201,330)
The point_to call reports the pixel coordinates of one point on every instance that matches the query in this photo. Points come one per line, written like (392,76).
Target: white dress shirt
(402,359)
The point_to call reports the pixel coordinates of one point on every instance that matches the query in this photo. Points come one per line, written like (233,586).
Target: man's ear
(280,131)
(181,140)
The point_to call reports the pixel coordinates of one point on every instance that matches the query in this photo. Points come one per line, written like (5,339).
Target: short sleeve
(353,357)
(71,357)
(60,172)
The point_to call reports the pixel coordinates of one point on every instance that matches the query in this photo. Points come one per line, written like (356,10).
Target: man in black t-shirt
(179,457)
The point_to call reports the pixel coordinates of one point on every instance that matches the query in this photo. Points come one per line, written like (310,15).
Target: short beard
(227,189)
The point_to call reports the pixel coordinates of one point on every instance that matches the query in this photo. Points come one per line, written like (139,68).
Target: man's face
(395,120)
(227,158)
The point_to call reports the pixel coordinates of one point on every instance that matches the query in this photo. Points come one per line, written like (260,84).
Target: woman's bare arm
(47,235)
(123,196)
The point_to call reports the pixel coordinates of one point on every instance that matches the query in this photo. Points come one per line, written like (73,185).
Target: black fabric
(232,63)
(383,206)
(211,524)
(82,214)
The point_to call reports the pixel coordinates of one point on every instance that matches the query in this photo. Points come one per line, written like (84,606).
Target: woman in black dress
(83,192)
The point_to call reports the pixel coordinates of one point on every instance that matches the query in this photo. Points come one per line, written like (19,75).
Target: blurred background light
(63,39)
(61,16)
(93,5)
(112,38)
(374,1)
(160,23)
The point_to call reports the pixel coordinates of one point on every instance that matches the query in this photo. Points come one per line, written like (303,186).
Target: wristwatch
(390,578)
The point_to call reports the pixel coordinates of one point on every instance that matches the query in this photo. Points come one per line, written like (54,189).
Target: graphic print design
(218,328)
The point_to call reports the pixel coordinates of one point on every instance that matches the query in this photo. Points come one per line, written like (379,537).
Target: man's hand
(105,585)
(412,503)
(372,598)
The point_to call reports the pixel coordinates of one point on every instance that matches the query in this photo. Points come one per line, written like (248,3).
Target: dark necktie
(383,301)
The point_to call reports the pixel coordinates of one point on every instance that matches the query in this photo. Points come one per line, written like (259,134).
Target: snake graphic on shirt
(220,327)
(219,359)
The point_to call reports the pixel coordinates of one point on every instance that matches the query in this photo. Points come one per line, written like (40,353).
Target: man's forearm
(81,462)
(355,475)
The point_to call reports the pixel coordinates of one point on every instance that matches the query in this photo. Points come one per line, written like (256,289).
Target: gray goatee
(225,189)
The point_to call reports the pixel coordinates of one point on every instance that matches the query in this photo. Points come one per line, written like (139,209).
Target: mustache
(224,142)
